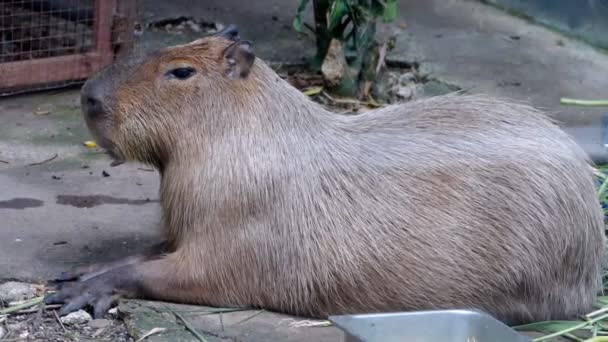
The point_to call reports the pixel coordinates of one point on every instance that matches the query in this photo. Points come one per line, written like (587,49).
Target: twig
(38,318)
(153,331)
(44,161)
(306,323)
(47,307)
(585,103)
(9,331)
(26,305)
(4,161)
(382,57)
(59,321)
(190,328)
(212,311)
(98,332)
(571,329)
(596,312)
(308,26)
(313,91)
(248,318)
(350,101)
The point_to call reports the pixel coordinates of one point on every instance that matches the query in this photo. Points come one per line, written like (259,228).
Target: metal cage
(48,44)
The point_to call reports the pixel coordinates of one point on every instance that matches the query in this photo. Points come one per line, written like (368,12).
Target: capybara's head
(137,107)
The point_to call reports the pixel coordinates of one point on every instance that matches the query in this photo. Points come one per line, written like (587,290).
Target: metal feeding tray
(426,326)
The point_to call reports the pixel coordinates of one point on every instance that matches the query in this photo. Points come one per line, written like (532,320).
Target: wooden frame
(34,73)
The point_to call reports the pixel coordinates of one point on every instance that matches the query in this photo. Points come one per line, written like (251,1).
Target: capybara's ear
(239,58)
(230,32)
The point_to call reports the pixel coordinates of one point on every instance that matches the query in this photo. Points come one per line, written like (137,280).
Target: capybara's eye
(182,73)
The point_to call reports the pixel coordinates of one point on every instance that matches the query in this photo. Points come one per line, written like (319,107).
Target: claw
(103,305)
(55,298)
(66,276)
(95,288)
(75,304)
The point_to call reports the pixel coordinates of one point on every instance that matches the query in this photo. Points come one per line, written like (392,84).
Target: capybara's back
(456,201)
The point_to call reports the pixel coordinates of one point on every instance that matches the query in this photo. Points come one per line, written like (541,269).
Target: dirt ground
(43,325)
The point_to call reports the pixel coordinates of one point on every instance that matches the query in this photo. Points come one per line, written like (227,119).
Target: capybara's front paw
(100,292)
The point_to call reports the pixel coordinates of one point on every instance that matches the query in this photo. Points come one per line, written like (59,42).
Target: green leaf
(602,299)
(297,20)
(548,327)
(390,10)
(338,10)
(377,7)
(361,13)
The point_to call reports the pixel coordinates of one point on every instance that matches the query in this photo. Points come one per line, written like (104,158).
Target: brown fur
(271,201)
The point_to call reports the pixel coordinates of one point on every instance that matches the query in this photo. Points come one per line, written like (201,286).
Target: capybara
(271,201)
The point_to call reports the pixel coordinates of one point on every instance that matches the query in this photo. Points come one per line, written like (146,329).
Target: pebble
(15,327)
(194,26)
(113,312)
(99,323)
(407,78)
(14,291)
(77,317)
(406,92)
(43,109)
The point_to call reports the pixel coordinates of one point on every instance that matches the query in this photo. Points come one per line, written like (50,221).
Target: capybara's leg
(164,278)
(89,271)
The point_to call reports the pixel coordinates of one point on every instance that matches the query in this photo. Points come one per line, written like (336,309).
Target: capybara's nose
(92,105)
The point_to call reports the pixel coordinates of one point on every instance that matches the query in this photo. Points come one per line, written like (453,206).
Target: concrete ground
(58,207)
(64,211)
(483,50)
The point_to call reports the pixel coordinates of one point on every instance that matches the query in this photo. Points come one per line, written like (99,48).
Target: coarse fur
(270,201)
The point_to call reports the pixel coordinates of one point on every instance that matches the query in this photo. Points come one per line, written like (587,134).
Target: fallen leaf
(313,91)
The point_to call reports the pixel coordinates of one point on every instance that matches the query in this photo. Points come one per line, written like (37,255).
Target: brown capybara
(270,201)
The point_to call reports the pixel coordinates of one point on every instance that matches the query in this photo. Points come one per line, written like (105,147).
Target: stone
(99,323)
(13,291)
(194,26)
(113,312)
(15,326)
(407,92)
(407,78)
(44,109)
(77,317)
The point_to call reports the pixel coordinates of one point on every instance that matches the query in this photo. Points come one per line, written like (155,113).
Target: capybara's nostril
(93,107)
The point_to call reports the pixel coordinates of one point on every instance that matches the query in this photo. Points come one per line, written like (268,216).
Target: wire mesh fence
(47,44)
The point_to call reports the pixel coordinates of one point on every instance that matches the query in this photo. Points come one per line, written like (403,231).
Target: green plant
(351,25)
